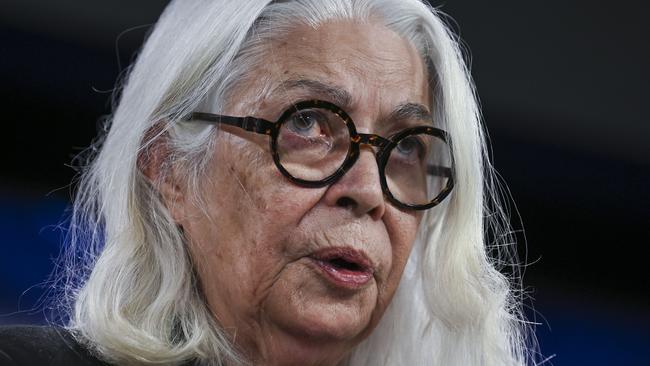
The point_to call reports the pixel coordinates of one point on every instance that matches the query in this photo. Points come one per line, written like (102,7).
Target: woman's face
(269,253)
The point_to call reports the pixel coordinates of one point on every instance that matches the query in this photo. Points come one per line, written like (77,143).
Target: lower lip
(343,277)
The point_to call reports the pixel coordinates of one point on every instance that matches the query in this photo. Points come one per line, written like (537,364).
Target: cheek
(238,228)
(402,230)
(247,194)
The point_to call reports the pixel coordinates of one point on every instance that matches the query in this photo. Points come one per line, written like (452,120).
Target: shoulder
(37,345)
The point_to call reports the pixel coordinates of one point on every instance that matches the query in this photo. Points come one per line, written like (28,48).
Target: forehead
(373,65)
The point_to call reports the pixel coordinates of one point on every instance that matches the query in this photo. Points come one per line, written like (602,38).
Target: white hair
(131,293)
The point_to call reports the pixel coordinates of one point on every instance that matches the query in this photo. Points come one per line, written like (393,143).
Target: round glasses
(314,143)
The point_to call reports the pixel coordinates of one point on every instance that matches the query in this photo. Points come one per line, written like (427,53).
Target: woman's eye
(307,123)
(411,148)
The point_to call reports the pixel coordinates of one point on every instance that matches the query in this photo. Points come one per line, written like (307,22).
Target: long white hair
(130,291)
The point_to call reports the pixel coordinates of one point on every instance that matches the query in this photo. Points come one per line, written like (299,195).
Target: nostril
(346,202)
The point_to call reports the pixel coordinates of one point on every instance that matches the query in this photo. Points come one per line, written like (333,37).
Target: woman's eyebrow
(410,111)
(343,99)
(336,95)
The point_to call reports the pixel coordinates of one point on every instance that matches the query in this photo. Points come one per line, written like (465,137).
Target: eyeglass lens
(313,144)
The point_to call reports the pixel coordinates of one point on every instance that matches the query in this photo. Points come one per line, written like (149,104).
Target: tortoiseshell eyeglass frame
(384,145)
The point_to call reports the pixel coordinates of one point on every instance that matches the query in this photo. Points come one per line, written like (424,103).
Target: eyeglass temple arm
(252,124)
(440,171)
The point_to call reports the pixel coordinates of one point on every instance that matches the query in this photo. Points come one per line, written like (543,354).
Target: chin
(323,324)
(308,307)
(314,339)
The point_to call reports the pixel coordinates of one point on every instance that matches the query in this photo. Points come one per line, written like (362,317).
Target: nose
(359,189)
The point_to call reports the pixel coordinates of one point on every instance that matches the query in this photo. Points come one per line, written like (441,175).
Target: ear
(153,162)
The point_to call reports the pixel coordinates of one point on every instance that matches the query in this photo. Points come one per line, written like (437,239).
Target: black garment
(36,346)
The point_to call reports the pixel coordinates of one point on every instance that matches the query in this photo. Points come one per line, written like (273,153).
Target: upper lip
(347,254)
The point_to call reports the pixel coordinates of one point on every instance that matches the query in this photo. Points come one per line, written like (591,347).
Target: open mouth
(341,263)
(344,267)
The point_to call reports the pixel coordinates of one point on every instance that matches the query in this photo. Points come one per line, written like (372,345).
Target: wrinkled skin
(251,236)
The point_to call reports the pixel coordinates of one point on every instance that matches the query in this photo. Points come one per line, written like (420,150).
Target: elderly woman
(298,182)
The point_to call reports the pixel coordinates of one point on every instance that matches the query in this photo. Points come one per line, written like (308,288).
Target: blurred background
(564,90)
